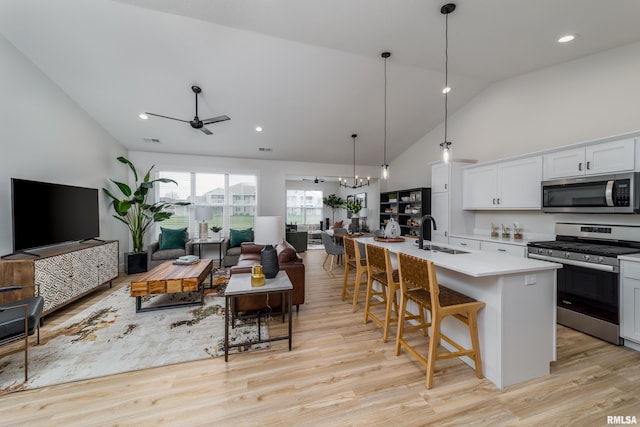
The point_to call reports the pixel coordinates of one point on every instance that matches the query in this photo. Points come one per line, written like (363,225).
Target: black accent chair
(19,319)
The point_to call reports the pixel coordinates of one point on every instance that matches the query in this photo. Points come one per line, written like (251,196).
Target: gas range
(588,286)
(590,245)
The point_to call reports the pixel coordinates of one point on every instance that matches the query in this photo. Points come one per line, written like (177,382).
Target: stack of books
(186,260)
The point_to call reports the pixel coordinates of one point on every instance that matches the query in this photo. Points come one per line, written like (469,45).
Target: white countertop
(484,238)
(633,257)
(474,263)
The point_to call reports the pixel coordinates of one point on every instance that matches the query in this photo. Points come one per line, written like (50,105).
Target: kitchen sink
(451,251)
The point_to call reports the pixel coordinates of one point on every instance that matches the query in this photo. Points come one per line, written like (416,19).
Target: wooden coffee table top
(170,278)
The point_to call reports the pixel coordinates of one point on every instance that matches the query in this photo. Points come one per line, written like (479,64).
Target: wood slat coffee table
(169,278)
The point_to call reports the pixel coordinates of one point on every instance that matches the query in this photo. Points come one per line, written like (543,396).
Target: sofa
(232,254)
(288,261)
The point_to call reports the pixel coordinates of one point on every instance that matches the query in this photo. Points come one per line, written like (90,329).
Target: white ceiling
(310,73)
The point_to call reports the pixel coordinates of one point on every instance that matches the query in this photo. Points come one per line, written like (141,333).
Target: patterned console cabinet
(66,274)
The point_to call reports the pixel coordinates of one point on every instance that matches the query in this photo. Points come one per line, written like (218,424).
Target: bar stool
(353,261)
(418,283)
(380,270)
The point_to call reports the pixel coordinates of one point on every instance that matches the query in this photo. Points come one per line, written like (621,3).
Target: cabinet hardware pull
(580,166)
(498,200)
(463,244)
(493,202)
(445,186)
(502,250)
(588,165)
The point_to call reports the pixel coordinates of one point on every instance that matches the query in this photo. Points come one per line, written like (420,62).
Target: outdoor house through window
(232,197)
(304,207)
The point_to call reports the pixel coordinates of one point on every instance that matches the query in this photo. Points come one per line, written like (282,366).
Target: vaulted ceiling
(308,72)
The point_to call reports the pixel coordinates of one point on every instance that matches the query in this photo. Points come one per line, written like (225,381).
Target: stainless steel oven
(618,193)
(588,285)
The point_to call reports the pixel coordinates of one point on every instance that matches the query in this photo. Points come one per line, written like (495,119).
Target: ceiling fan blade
(216,119)
(166,117)
(206,131)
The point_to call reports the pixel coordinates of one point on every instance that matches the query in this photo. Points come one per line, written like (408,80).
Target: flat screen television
(45,214)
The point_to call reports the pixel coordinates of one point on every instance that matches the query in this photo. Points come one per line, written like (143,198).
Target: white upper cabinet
(439,178)
(440,212)
(594,159)
(513,184)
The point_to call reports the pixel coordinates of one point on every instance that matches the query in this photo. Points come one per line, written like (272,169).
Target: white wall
(586,99)
(48,137)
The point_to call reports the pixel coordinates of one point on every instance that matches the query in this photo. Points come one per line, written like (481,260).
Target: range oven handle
(608,192)
(607,268)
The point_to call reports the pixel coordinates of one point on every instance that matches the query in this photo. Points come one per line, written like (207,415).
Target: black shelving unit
(406,207)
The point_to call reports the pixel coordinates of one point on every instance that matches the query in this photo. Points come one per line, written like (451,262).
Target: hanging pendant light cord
(385,112)
(446,74)
(355,179)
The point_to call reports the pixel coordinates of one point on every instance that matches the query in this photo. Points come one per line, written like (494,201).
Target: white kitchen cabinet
(504,248)
(630,300)
(513,184)
(440,212)
(440,178)
(465,243)
(446,200)
(593,159)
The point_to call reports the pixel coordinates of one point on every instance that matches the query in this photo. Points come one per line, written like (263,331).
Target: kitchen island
(517,327)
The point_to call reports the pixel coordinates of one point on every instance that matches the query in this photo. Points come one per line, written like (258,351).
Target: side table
(239,285)
(219,242)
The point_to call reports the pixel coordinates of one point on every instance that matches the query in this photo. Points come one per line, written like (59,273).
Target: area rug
(110,338)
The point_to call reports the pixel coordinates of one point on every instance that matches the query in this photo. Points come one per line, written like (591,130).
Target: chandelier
(357,182)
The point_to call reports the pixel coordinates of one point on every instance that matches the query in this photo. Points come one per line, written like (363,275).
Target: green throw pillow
(172,238)
(236,237)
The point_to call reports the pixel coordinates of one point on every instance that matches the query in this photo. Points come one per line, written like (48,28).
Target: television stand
(20,253)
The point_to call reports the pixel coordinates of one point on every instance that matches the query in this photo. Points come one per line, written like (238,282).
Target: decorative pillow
(236,237)
(337,224)
(172,238)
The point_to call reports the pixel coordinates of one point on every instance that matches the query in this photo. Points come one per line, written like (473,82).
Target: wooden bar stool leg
(392,305)
(475,342)
(356,291)
(403,309)
(345,283)
(434,339)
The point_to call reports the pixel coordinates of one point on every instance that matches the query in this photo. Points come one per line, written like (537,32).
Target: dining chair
(354,261)
(419,284)
(331,248)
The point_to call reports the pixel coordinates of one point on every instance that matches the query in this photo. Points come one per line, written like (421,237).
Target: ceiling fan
(315,181)
(196,123)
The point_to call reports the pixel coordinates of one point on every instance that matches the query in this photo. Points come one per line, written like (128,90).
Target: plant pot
(135,263)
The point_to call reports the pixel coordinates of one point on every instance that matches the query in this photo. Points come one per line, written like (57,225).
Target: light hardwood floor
(338,373)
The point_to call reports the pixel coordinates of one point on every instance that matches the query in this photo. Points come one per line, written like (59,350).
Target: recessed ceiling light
(258,128)
(567,38)
(446,90)
(143,116)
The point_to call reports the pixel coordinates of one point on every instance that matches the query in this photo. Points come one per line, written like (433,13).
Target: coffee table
(169,278)
(240,285)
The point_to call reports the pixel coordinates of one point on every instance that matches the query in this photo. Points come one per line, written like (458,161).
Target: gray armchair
(156,256)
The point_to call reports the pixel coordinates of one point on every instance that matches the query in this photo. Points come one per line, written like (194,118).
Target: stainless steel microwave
(619,193)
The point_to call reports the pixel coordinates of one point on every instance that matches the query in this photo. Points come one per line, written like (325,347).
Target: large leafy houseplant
(134,210)
(334,202)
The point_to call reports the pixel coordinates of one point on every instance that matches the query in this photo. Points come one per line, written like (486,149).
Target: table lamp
(269,230)
(204,213)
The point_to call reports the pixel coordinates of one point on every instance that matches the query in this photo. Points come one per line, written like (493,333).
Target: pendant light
(357,183)
(446,145)
(385,166)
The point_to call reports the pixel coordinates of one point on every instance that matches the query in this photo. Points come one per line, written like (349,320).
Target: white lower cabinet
(465,243)
(630,300)
(504,248)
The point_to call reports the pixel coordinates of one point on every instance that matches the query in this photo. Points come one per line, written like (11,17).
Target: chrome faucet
(421,233)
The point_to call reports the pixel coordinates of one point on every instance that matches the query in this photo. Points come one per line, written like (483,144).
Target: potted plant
(334,202)
(137,213)
(354,206)
(216,232)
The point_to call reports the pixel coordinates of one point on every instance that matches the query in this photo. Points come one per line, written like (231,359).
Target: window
(304,206)
(232,197)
